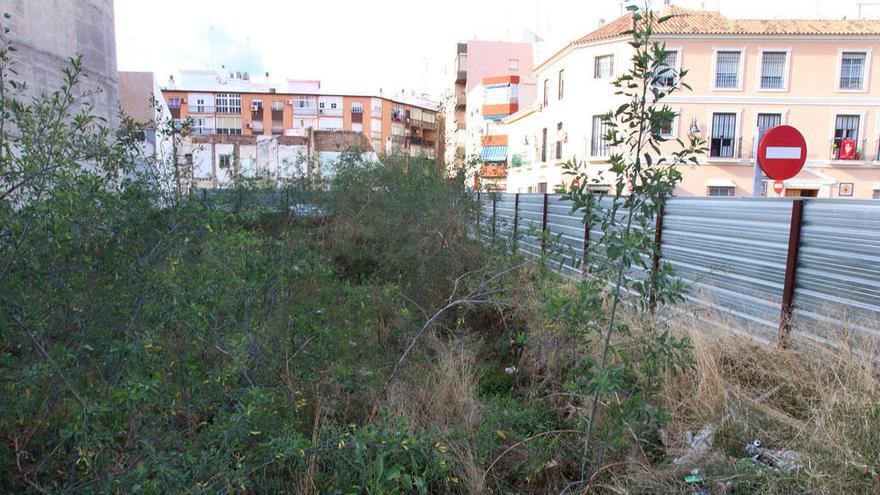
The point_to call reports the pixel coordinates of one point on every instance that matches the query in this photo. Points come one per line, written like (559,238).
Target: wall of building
(47,33)
(809,101)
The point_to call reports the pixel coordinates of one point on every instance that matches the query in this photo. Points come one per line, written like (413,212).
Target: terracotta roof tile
(698,22)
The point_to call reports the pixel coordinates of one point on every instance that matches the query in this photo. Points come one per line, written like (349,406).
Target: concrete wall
(47,33)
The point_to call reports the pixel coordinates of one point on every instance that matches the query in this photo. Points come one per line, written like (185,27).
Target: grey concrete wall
(47,33)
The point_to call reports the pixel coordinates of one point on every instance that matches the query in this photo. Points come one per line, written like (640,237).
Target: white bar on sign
(783,152)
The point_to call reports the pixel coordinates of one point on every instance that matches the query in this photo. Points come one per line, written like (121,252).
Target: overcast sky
(364,45)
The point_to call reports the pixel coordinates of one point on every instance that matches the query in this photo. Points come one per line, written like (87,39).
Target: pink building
(475,61)
(747,76)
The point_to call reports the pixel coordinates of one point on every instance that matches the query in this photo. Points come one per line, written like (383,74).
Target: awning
(719,182)
(494,153)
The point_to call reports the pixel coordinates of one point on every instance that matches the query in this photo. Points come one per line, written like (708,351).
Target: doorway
(801,193)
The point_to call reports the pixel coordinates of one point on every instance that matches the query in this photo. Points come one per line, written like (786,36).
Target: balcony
(397,115)
(859,154)
(330,112)
(257,126)
(310,111)
(201,109)
(460,100)
(725,148)
(461,66)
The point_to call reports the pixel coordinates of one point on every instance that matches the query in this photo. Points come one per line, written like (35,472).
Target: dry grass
(815,399)
(444,396)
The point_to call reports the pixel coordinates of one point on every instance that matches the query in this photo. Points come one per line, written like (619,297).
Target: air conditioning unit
(256,107)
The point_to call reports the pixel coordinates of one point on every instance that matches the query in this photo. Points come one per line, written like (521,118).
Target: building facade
(270,127)
(747,77)
(475,62)
(47,33)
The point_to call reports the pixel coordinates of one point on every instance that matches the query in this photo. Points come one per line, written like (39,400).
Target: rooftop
(702,22)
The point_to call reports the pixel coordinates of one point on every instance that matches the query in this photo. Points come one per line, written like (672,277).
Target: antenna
(212,48)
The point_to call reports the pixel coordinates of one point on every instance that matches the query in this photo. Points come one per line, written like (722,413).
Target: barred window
(598,144)
(767,121)
(852,70)
(666,71)
(773,70)
(723,134)
(718,191)
(727,69)
(875,194)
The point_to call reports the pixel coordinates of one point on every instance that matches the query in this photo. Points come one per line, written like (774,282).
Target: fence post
(515,222)
(494,199)
(585,266)
(794,242)
(544,227)
(479,210)
(655,262)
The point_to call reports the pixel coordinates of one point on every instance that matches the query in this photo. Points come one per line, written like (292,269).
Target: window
(225,161)
(727,69)
(561,83)
(852,70)
(513,64)
(716,191)
(773,70)
(228,103)
(845,127)
(664,127)
(542,187)
(875,194)
(598,144)
(546,92)
(666,70)
(228,124)
(357,107)
(559,137)
(767,121)
(277,106)
(174,102)
(333,106)
(723,133)
(256,105)
(603,66)
(544,145)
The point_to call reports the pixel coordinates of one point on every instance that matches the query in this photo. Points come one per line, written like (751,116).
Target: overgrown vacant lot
(203,349)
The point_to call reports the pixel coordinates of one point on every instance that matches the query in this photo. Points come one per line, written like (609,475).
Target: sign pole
(757,172)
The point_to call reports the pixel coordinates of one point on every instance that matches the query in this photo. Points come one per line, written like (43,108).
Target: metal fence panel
(733,252)
(838,276)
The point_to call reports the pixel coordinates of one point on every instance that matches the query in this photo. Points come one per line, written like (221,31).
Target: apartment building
(747,77)
(475,61)
(235,104)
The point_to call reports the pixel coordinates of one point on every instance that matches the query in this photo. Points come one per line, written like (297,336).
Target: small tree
(643,177)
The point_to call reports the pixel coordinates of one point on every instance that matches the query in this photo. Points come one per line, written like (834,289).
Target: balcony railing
(460,100)
(330,112)
(305,111)
(725,148)
(201,109)
(859,154)
(201,131)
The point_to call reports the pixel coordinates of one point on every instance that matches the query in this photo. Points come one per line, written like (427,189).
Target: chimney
(601,22)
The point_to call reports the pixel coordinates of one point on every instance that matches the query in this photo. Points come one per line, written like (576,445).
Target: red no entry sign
(782,152)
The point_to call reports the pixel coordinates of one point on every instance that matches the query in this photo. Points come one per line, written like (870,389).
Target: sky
(360,46)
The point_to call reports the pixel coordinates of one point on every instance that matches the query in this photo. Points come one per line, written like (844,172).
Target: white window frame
(675,125)
(833,127)
(357,104)
(610,74)
(786,73)
(740,69)
(737,133)
(867,72)
(679,50)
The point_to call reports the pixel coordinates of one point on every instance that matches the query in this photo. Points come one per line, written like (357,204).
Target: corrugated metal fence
(773,266)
